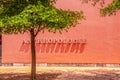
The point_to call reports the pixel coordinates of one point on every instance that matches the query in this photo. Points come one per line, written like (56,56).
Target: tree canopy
(111,9)
(107,10)
(21,15)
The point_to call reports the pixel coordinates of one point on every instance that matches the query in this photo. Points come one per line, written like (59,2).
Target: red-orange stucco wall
(102,35)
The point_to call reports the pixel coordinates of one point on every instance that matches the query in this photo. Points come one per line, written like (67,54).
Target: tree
(33,16)
(108,10)
(111,9)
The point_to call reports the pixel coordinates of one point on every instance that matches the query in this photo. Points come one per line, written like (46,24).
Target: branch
(38,29)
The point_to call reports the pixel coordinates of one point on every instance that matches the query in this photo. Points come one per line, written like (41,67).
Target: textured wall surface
(102,45)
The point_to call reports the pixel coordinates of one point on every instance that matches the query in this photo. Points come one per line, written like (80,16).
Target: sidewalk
(61,73)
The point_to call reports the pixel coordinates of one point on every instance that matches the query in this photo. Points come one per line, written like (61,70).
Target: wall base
(66,65)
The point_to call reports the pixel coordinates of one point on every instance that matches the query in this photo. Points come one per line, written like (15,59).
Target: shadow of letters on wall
(55,46)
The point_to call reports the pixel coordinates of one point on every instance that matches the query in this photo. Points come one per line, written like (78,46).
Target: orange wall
(102,35)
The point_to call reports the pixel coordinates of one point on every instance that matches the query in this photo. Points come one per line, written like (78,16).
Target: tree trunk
(33,56)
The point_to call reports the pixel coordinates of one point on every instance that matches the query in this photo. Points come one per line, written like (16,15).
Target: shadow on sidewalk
(93,75)
(43,76)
